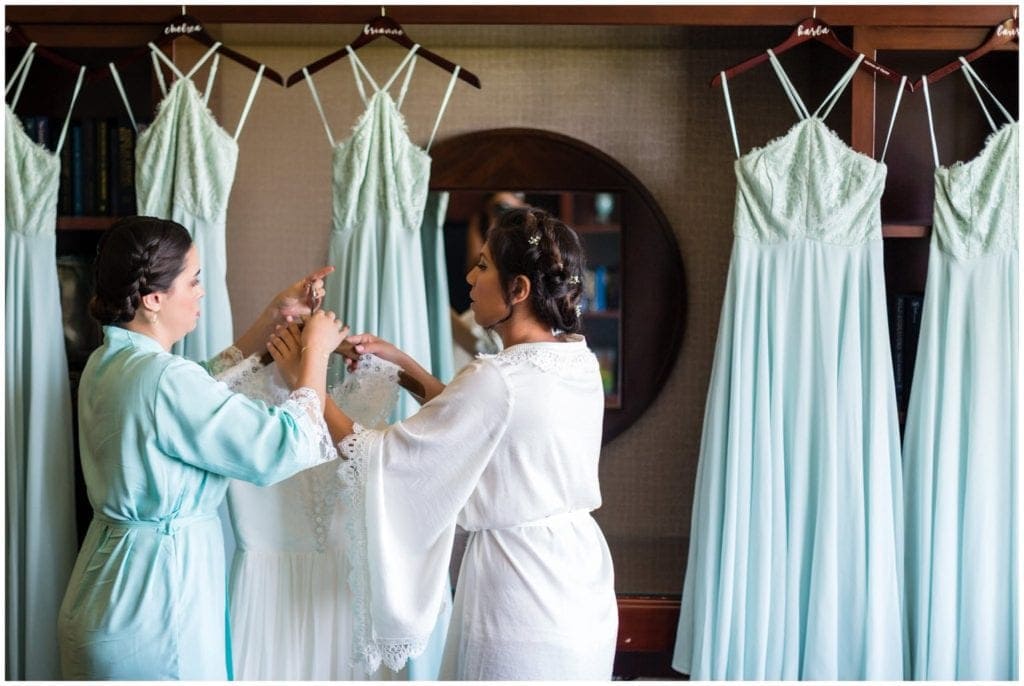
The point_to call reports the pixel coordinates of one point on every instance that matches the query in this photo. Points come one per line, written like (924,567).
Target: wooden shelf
(905,231)
(647,623)
(984,16)
(602,314)
(68,223)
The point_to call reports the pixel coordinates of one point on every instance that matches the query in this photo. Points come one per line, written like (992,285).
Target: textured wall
(640,94)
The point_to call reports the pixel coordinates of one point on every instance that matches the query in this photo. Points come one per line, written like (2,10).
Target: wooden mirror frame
(653,284)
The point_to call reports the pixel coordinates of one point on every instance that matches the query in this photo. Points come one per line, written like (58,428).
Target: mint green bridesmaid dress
(795,562)
(960,449)
(39,475)
(185,166)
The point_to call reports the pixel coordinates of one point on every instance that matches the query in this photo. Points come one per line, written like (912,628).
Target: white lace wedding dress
(291,607)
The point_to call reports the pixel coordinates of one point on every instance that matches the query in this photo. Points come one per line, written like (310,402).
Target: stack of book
(97,164)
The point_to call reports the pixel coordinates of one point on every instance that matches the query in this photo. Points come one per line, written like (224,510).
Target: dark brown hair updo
(136,256)
(530,242)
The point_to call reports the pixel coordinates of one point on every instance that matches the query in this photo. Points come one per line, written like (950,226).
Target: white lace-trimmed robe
(509,451)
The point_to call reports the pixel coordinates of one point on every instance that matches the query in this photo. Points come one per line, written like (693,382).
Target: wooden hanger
(15,33)
(187,25)
(1001,35)
(812,28)
(386,27)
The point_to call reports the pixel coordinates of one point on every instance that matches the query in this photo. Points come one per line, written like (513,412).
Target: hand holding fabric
(322,333)
(366,343)
(301,298)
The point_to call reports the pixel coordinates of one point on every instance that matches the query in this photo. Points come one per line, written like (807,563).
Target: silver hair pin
(574,279)
(534,239)
(579,311)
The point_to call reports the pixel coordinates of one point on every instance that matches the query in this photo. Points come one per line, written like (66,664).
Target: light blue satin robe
(159,440)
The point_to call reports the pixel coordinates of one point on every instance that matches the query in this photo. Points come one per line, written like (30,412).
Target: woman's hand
(285,346)
(322,333)
(412,376)
(364,343)
(298,300)
(301,298)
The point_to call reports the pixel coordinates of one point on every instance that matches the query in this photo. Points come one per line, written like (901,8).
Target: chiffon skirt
(960,457)
(795,557)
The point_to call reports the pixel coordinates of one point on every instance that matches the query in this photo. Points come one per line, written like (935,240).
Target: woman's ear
(151,301)
(521,287)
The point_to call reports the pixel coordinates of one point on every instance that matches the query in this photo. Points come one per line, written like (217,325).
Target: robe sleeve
(201,422)
(404,487)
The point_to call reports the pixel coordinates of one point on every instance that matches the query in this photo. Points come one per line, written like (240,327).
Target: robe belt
(561,517)
(169,525)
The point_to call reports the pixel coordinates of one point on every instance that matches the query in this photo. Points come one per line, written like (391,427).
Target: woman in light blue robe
(159,440)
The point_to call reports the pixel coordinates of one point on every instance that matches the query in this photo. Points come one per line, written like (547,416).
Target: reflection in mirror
(640,314)
(596,218)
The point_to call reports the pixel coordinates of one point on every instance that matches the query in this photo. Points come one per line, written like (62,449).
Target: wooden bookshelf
(905,231)
(70,223)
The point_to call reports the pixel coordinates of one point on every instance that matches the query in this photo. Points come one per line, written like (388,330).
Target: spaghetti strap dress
(379,180)
(794,566)
(41,541)
(960,447)
(185,167)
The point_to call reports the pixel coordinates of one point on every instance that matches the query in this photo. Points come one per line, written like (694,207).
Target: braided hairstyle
(136,256)
(531,242)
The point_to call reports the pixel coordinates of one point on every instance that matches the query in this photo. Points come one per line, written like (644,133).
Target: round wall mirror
(635,292)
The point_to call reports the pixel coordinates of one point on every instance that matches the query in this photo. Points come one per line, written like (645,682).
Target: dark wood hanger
(14,33)
(812,28)
(187,25)
(385,27)
(1001,35)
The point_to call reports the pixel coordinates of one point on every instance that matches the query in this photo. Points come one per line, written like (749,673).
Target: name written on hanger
(1001,30)
(812,31)
(182,28)
(374,31)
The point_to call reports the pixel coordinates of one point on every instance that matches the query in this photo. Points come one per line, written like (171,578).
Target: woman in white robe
(508,450)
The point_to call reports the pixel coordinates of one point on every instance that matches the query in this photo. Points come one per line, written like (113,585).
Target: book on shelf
(77,170)
(113,177)
(102,178)
(43,132)
(88,178)
(98,169)
(905,331)
(608,362)
(600,288)
(125,169)
(64,202)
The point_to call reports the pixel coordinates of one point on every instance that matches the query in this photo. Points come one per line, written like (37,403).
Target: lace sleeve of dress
(368,651)
(223,361)
(304,405)
(369,394)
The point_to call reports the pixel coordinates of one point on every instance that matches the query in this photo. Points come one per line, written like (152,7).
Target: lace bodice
(379,167)
(184,158)
(977,202)
(368,395)
(31,181)
(809,183)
